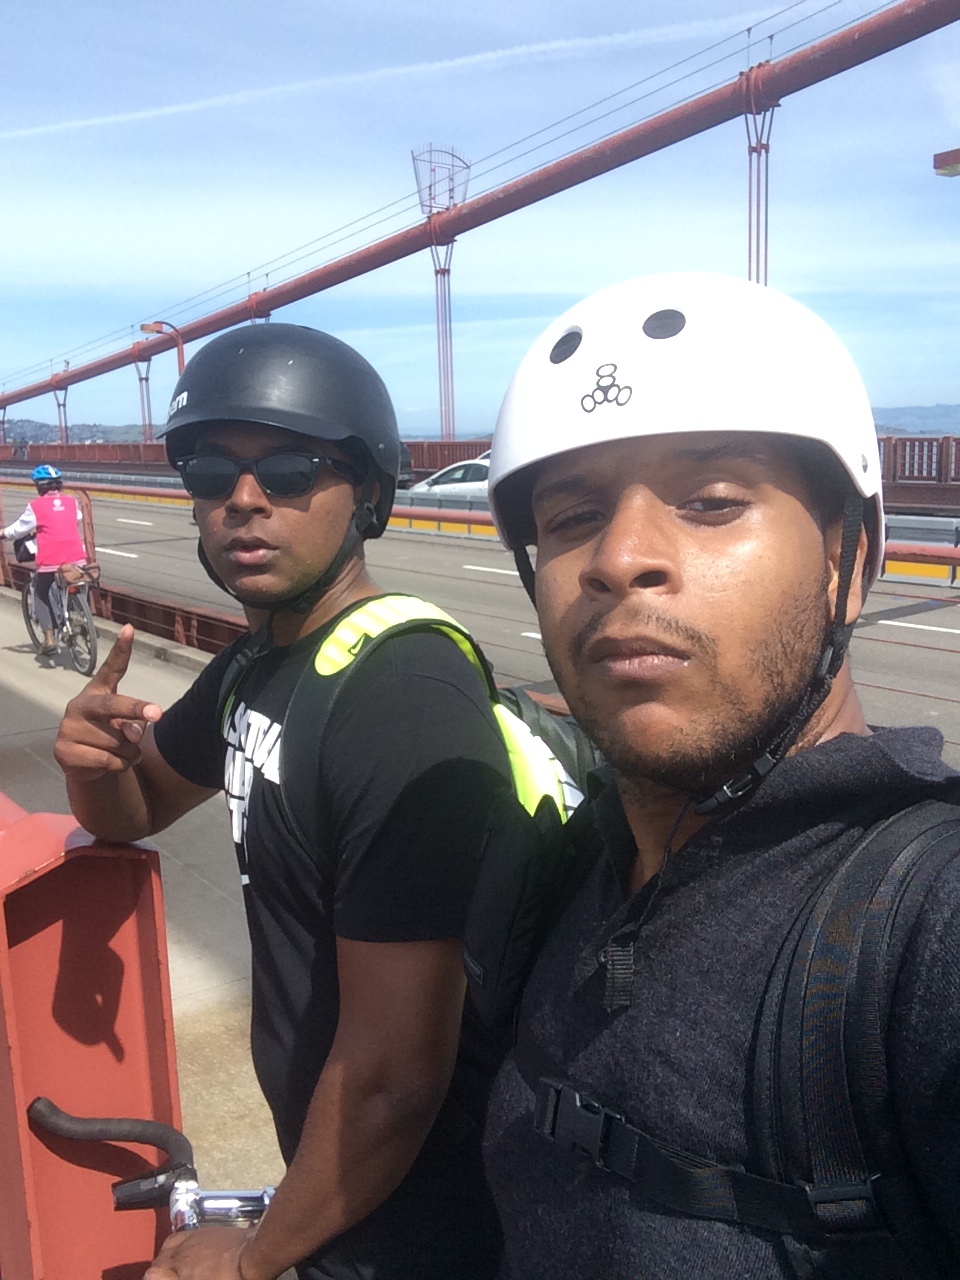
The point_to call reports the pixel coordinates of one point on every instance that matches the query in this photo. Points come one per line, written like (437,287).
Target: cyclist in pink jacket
(52,519)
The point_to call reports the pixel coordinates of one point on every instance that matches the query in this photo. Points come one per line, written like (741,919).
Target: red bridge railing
(427,455)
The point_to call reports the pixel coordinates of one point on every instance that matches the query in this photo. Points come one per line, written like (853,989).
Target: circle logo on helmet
(607,390)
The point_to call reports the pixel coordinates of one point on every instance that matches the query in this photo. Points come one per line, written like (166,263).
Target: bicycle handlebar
(173,1183)
(190,1207)
(151,1133)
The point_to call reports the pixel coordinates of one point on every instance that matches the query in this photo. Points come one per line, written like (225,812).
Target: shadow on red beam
(204,629)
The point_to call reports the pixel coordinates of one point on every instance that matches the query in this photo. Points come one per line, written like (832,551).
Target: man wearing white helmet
(728,1062)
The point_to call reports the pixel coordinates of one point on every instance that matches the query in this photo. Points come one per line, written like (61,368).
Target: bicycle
(172,1184)
(73,620)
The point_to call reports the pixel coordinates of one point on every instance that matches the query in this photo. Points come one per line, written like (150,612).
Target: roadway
(906,657)
(906,650)
(150,548)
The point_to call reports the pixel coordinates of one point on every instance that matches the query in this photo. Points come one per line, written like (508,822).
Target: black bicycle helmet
(299,379)
(286,375)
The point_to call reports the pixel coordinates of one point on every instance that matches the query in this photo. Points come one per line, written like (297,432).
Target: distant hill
(919,420)
(28,431)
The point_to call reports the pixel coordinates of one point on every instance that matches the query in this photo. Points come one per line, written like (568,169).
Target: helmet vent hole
(664,324)
(564,347)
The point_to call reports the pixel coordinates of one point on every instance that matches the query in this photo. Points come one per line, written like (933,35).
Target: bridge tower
(442,177)
(60,395)
(758,115)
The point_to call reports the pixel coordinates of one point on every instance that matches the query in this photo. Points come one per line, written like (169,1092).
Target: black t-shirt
(410,763)
(676,1060)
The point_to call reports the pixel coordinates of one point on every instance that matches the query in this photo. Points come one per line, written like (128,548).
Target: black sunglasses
(282,475)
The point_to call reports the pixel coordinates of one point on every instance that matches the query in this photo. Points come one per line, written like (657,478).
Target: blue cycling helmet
(45,474)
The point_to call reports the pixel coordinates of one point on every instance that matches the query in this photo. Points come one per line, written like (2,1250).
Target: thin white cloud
(707,30)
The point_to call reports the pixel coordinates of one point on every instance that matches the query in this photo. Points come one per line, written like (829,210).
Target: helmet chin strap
(521,558)
(364,516)
(832,654)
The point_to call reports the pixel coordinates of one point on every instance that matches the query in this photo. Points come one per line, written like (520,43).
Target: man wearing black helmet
(356,880)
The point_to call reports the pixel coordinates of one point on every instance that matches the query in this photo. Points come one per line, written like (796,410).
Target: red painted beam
(947,163)
(921,553)
(767,83)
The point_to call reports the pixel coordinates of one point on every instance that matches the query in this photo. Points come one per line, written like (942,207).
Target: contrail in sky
(706,29)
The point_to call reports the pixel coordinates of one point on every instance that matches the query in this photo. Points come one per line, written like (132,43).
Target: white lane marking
(532,635)
(486,568)
(120,520)
(112,551)
(917,626)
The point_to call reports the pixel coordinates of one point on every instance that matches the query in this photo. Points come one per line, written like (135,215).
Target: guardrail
(927,553)
(435,519)
(83,475)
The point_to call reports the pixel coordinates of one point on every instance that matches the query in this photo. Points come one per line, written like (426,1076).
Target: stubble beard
(730,734)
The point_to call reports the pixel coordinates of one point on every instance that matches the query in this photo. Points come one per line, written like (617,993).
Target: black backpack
(353,637)
(22,551)
(833,1179)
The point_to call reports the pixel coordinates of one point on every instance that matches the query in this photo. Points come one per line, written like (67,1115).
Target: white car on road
(462,480)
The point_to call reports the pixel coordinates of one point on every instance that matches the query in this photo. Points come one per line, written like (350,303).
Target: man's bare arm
(119,785)
(377,1097)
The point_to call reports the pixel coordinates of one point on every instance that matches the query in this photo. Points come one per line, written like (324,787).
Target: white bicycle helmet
(683,352)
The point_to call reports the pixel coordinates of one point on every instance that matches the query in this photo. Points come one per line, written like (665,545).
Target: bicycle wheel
(34,630)
(80,635)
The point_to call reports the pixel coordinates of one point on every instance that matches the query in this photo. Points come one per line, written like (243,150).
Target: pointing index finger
(114,666)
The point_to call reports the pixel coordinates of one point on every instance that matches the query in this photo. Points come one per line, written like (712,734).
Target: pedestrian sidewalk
(224,1113)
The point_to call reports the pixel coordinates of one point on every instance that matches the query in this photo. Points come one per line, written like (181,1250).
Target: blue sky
(153,152)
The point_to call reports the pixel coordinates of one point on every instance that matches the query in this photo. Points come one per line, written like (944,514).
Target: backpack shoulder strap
(357,634)
(530,870)
(570,745)
(247,651)
(373,620)
(822,1108)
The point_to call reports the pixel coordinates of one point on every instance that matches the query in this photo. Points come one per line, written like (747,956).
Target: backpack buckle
(846,1206)
(570,1118)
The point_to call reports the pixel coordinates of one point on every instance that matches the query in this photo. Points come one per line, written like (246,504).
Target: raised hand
(101,729)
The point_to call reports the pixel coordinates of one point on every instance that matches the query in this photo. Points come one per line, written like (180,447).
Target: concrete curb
(155,648)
